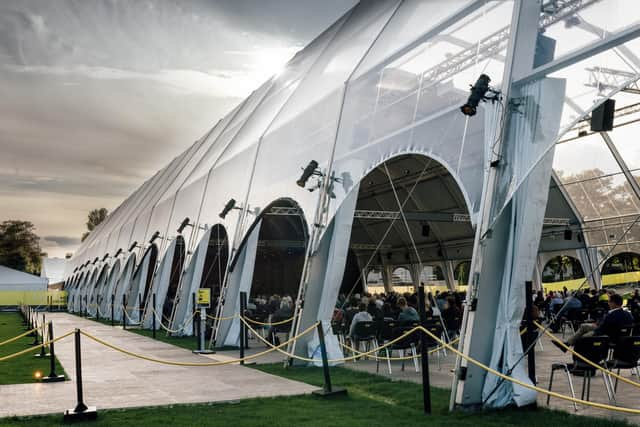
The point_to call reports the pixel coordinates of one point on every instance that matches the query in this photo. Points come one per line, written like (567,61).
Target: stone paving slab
(115,380)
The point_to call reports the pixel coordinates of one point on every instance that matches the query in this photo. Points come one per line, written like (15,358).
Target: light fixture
(426,230)
(105,256)
(479,93)
(133,246)
(96,260)
(118,252)
(227,208)
(183,224)
(307,173)
(568,234)
(389,256)
(154,236)
(37,375)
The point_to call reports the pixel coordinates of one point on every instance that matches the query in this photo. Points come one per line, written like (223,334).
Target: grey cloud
(62,240)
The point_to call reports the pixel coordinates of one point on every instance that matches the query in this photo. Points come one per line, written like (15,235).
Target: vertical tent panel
(239,280)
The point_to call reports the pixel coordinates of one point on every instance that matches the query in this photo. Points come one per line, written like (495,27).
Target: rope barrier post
(328,390)
(113,299)
(49,303)
(42,351)
(243,329)
(53,377)
(531,330)
(81,411)
(424,350)
(153,318)
(194,313)
(124,312)
(98,308)
(35,329)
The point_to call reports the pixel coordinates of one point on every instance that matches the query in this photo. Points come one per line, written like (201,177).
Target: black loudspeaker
(602,117)
(568,234)
(425,230)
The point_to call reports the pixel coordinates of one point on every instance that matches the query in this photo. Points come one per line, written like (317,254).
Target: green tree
(20,246)
(95,217)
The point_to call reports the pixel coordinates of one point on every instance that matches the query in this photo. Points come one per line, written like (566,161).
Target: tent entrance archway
(215,262)
(437,218)
(177,264)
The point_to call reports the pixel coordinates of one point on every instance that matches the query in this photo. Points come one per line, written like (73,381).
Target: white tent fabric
(14,280)
(53,269)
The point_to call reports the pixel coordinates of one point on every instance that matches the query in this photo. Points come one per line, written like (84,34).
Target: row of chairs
(622,354)
(369,335)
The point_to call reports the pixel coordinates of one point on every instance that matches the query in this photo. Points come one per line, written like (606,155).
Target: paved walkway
(114,380)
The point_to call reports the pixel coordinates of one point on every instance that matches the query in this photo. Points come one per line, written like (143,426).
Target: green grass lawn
(21,369)
(372,401)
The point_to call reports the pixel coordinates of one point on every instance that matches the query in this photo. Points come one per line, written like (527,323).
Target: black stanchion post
(531,332)
(328,390)
(98,308)
(42,350)
(153,317)
(424,349)
(113,300)
(34,326)
(195,312)
(124,312)
(53,377)
(81,411)
(243,330)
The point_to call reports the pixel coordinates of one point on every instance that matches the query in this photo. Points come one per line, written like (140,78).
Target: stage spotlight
(307,173)
(105,256)
(154,236)
(133,246)
(183,224)
(227,208)
(478,93)
(96,260)
(426,230)
(568,234)
(118,252)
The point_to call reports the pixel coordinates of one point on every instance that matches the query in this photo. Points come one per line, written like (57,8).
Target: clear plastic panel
(309,119)
(594,159)
(412,19)
(602,197)
(626,141)
(581,23)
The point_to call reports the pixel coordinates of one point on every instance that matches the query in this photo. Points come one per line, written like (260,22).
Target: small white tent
(53,270)
(17,287)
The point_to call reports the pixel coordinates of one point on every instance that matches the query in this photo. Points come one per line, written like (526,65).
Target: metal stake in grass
(328,390)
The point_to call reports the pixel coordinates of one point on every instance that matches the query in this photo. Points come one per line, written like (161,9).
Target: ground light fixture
(479,93)
(227,208)
(37,375)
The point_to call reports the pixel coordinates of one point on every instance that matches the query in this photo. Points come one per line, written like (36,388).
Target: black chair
(626,355)
(339,330)
(594,349)
(284,328)
(408,343)
(364,335)
(435,327)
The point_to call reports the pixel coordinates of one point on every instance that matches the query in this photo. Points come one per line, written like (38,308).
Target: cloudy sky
(96,95)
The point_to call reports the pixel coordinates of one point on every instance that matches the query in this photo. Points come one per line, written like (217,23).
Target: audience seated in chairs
(615,320)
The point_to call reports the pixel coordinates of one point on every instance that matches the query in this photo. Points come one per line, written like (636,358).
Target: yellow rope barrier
(255,322)
(529,386)
(222,318)
(10,340)
(35,347)
(417,356)
(173,331)
(174,363)
(344,359)
(584,359)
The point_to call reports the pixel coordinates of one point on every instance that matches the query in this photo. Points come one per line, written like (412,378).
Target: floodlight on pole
(183,224)
(308,172)
(227,208)
(154,236)
(133,246)
(118,252)
(105,256)
(479,93)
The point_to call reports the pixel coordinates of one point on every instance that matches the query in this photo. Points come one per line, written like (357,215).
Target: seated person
(361,316)
(610,325)
(407,314)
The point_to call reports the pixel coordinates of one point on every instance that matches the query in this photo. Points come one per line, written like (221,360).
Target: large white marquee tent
(403,178)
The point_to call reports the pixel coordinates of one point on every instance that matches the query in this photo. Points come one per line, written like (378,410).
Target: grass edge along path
(21,370)
(372,401)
